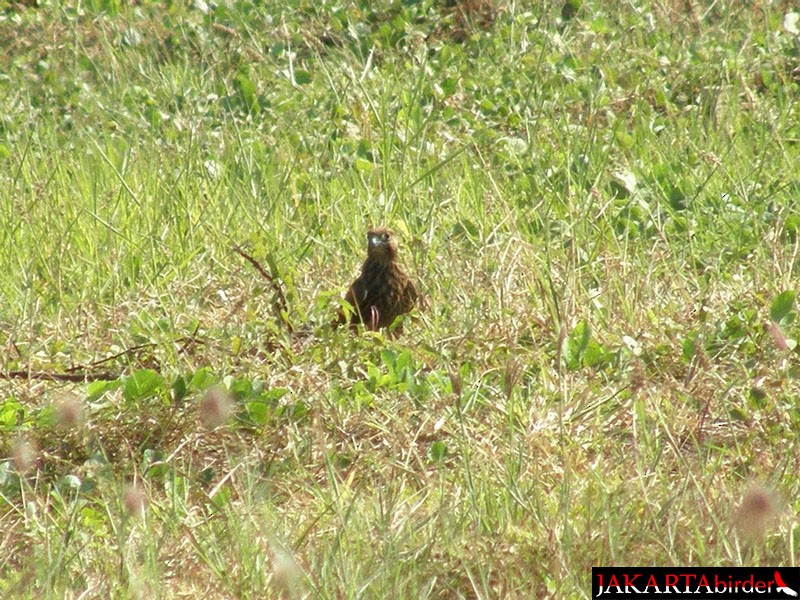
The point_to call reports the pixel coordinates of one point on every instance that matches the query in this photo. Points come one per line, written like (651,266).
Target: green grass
(600,210)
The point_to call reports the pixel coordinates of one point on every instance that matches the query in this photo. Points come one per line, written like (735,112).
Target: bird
(382,291)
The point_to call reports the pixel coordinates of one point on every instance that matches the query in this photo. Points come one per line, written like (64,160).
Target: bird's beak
(375,241)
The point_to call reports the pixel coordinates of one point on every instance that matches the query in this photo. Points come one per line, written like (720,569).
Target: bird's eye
(385,237)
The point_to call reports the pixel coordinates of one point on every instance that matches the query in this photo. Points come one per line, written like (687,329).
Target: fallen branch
(185,342)
(85,373)
(77,377)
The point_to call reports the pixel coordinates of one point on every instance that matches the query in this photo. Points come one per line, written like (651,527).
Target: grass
(598,203)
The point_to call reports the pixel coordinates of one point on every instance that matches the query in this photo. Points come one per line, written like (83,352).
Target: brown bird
(382,291)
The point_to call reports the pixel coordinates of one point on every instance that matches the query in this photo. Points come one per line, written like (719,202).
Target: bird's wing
(410,293)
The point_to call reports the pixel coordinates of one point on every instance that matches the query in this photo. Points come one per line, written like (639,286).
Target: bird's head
(380,244)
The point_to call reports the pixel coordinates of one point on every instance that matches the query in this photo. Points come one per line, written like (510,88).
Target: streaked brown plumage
(382,291)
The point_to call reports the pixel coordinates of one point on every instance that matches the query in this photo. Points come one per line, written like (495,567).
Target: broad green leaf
(437,451)
(9,412)
(782,305)
(178,389)
(203,378)
(688,348)
(577,342)
(257,412)
(97,388)
(142,384)
(302,77)
(595,354)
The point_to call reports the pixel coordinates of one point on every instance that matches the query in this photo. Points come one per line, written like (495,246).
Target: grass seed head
(758,509)
(286,573)
(135,501)
(69,411)
(215,408)
(24,454)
